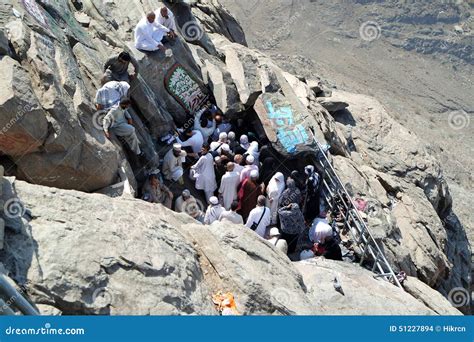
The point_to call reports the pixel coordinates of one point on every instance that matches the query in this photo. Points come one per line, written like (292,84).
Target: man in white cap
(231,215)
(259,218)
(204,174)
(149,34)
(245,173)
(214,211)
(275,240)
(216,146)
(229,184)
(186,203)
(173,164)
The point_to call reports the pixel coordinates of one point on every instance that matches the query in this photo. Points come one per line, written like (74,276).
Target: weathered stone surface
(363,294)
(125,256)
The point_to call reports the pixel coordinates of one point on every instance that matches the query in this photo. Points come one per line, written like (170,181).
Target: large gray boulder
(84,253)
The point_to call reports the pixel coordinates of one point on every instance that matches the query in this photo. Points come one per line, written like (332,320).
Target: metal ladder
(360,232)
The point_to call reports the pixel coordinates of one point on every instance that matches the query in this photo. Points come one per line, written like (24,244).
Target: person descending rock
(245,173)
(156,192)
(119,122)
(204,174)
(173,164)
(166,18)
(259,218)
(116,68)
(214,211)
(248,194)
(231,215)
(186,203)
(110,94)
(229,184)
(311,203)
(150,35)
(274,190)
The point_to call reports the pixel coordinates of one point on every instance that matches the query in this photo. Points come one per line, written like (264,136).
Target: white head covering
(244,141)
(276,184)
(250,160)
(231,135)
(186,193)
(254,174)
(223,136)
(213,200)
(225,148)
(309,170)
(274,232)
(177,147)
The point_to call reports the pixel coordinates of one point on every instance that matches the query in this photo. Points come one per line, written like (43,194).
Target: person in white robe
(173,164)
(204,174)
(275,188)
(231,215)
(253,151)
(217,146)
(149,34)
(229,184)
(275,240)
(186,203)
(166,18)
(214,211)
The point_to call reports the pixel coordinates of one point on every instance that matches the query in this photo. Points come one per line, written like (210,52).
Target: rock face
(91,254)
(51,137)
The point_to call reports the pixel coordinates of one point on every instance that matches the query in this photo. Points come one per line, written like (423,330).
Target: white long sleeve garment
(148,35)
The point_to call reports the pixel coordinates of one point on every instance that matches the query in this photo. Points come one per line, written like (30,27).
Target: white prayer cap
(186,193)
(309,169)
(223,136)
(177,147)
(254,174)
(250,160)
(274,232)
(213,200)
(244,139)
(231,135)
(306,254)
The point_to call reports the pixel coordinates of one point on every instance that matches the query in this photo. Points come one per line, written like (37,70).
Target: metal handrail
(365,240)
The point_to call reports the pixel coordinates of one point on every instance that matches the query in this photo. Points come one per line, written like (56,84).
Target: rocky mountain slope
(52,59)
(416,57)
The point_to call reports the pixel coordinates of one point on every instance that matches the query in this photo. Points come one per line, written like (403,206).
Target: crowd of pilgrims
(233,170)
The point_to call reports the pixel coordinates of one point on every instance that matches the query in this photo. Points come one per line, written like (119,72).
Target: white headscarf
(276,184)
(253,150)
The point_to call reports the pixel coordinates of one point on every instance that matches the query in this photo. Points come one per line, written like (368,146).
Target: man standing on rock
(149,34)
(116,68)
(119,122)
